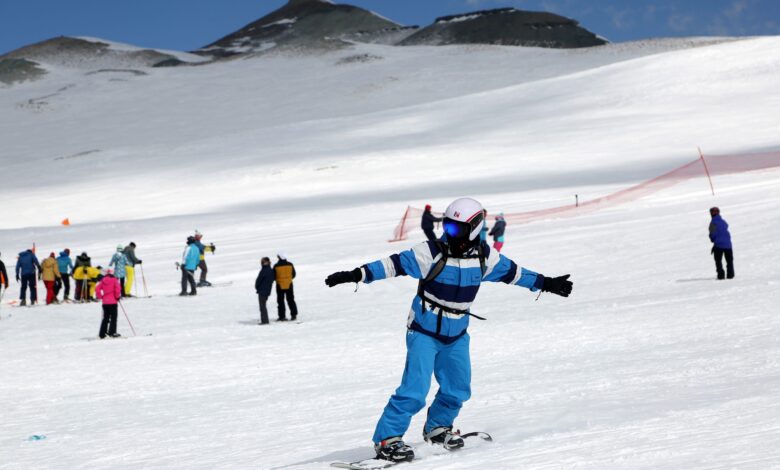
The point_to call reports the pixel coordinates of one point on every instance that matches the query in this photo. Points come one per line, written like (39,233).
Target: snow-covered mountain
(650,364)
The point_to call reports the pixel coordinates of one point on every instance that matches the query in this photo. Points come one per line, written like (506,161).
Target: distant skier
(27,272)
(65,265)
(263,284)
(427,223)
(50,273)
(204,270)
(483,234)
(109,290)
(284,273)
(119,262)
(450,273)
(721,244)
(80,275)
(3,278)
(132,260)
(94,276)
(497,232)
(189,263)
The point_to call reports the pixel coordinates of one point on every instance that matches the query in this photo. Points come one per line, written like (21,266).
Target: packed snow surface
(650,364)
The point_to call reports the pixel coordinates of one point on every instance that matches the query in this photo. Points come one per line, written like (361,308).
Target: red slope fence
(709,166)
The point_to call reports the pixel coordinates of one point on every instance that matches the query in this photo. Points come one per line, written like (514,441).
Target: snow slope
(650,364)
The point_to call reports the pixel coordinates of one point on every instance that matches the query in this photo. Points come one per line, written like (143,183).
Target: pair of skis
(376,464)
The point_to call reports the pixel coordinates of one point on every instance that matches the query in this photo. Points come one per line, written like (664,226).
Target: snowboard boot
(444,437)
(394,449)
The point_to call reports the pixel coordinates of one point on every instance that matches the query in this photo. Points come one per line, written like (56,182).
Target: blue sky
(189,24)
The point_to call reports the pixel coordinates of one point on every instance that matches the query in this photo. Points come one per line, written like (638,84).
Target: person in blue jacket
(189,262)
(27,272)
(450,271)
(263,284)
(65,265)
(721,244)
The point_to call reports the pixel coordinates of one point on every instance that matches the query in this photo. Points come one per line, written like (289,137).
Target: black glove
(343,277)
(558,285)
(712,251)
(213,248)
(17,279)
(139,262)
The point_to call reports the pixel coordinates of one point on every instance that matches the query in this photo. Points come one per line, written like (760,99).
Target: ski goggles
(458,229)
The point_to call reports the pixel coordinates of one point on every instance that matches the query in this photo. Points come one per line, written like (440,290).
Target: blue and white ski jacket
(455,287)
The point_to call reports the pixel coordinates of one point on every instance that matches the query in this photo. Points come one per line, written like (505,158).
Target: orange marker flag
(66,221)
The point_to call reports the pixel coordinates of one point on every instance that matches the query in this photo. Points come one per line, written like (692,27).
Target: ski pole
(135,280)
(128,318)
(146,291)
(2,293)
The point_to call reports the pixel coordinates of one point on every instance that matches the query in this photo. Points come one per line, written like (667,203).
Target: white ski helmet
(463,217)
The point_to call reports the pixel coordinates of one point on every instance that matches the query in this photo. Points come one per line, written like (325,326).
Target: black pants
(109,320)
(718,253)
(64,282)
(263,299)
(122,286)
(28,281)
(430,235)
(280,295)
(204,270)
(187,277)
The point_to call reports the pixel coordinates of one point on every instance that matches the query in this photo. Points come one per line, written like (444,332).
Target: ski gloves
(343,277)
(560,285)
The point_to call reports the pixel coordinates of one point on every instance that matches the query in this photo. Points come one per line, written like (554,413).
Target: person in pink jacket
(109,290)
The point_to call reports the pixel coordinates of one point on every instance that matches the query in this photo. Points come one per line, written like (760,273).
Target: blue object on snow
(36,437)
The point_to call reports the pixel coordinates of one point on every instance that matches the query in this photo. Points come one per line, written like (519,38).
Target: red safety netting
(701,167)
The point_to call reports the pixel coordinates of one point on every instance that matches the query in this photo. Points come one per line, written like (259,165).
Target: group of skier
(57,271)
(193,258)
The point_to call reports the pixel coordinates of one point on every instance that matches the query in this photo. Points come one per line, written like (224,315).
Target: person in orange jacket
(284,273)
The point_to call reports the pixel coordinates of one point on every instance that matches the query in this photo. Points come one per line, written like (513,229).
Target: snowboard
(376,464)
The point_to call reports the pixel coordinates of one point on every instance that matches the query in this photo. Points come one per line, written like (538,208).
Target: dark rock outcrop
(19,70)
(506,26)
(303,24)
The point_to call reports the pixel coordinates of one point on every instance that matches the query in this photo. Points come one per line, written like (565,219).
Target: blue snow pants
(449,363)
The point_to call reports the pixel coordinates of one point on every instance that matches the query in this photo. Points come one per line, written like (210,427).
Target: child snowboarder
(109,290)
(450,272)
(203,249)
(721,244)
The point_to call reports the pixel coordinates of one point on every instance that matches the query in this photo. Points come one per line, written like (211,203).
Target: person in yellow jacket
(83,261)
(87,278)
(284,273)
(50,272)
(94,275)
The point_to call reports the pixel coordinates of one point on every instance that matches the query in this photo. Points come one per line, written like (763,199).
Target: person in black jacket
(263,283)
(427,223)
(497,232)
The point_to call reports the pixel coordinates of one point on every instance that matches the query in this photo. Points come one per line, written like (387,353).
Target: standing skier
(119,262)
(450,273)
(426,224)
(129,252)
(721,244)
(80,275)
(109,290)
(66,269)
(284,273)
(189,263)
(263,283)
(497,232)
(50,273)
(27,272)
(204,270)
(3,278)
